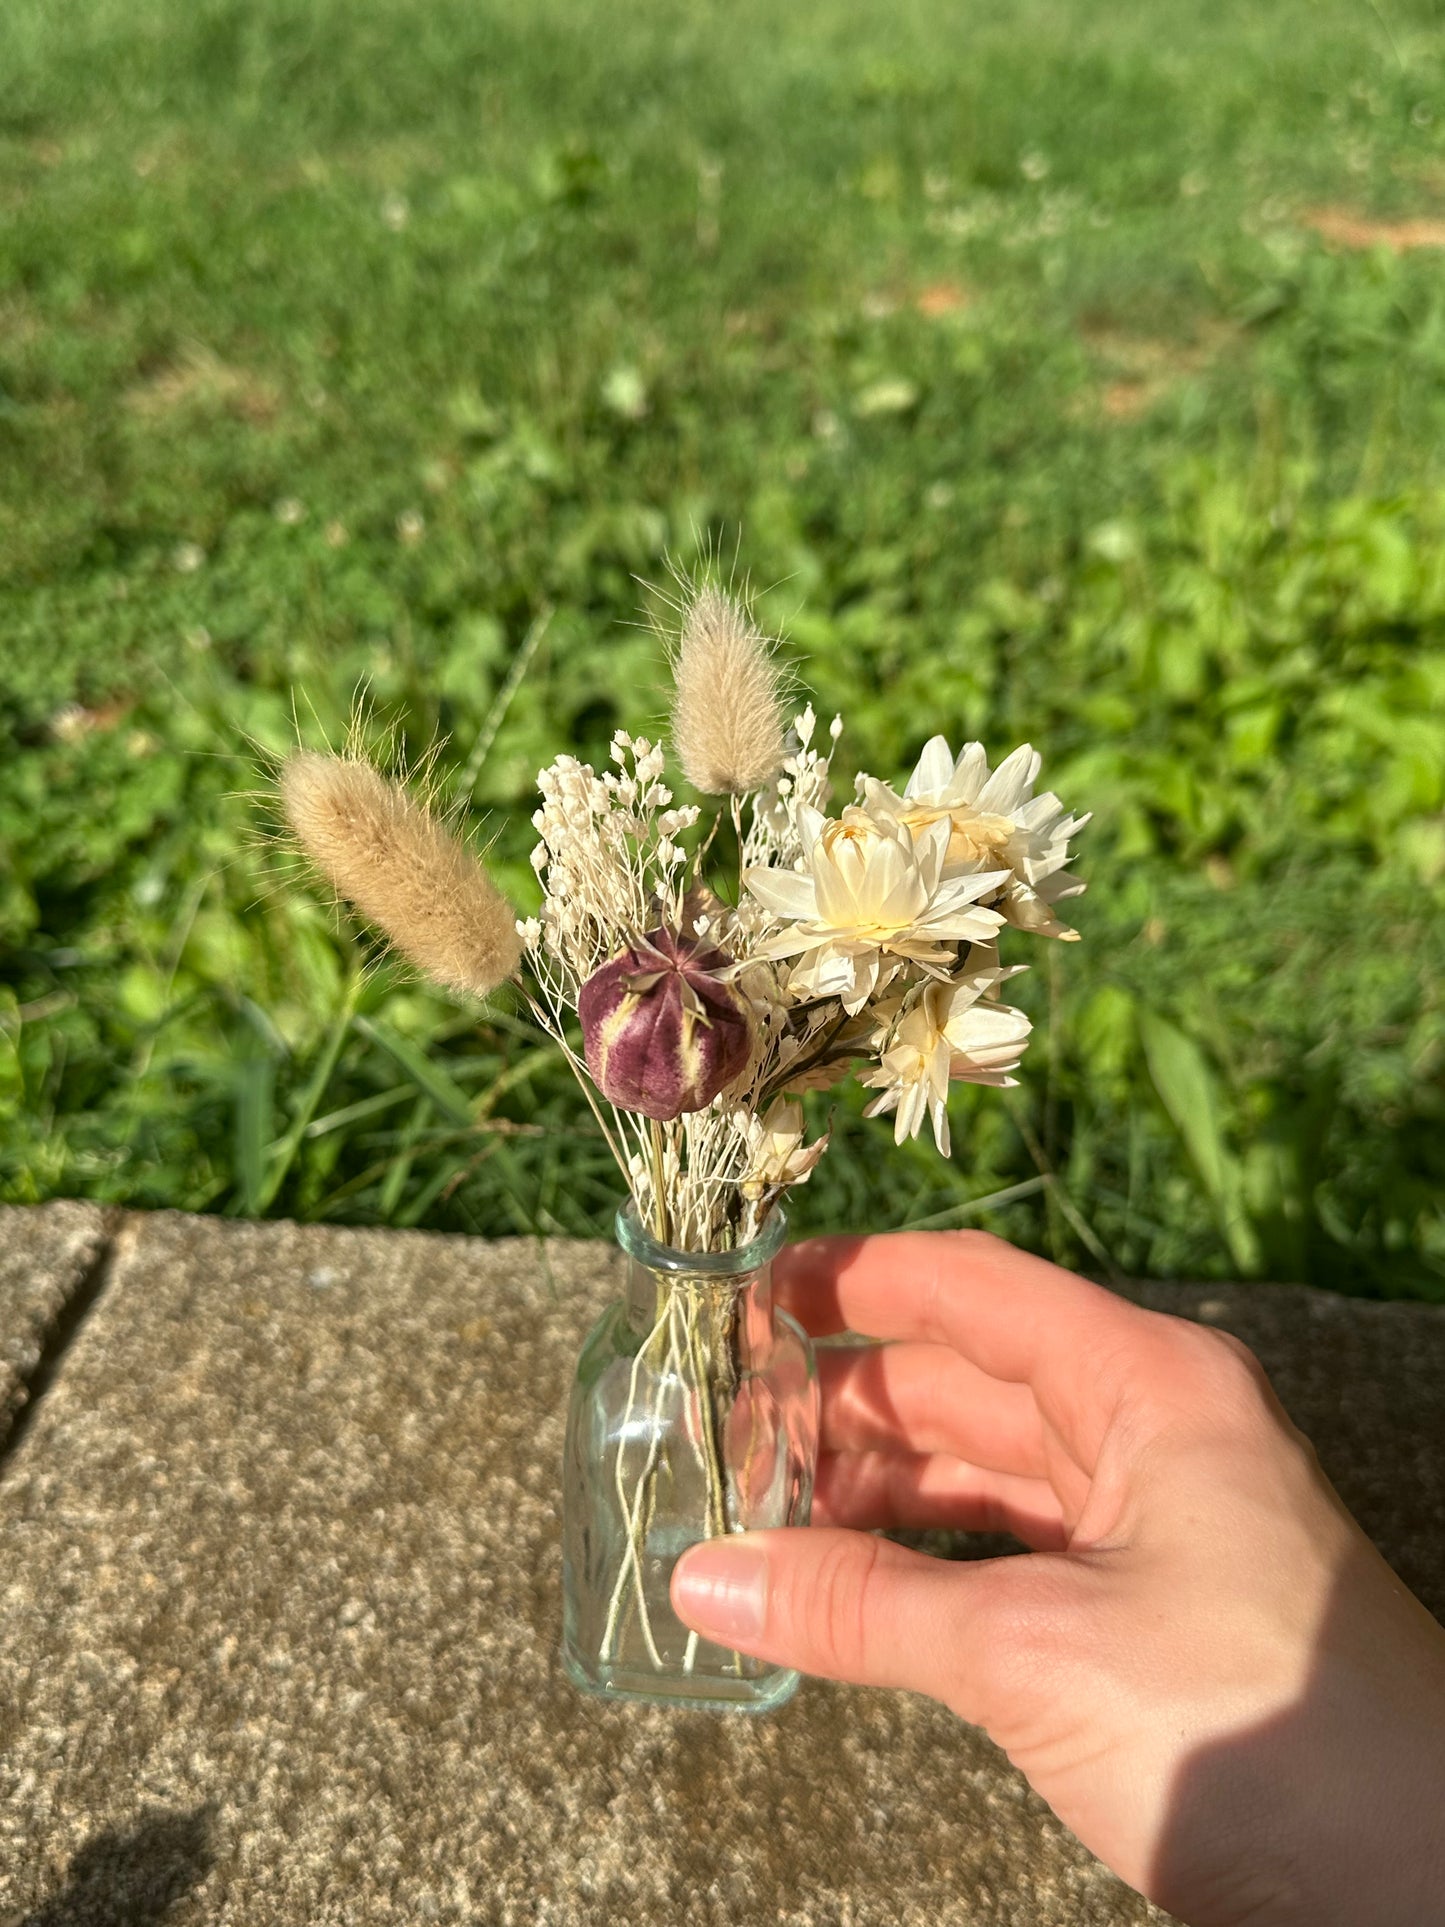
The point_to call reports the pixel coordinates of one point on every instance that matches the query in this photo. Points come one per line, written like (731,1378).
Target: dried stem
(659,1183)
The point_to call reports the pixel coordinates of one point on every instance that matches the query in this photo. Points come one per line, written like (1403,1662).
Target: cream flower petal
(990,818)
(985,1026)
(912,1109)
(968,887)
(777,1155)
(987,1040)
(1042,812)
(811,825)
(867,974)
(901,895)
(933,772)
(830,971)
(875,899)
(1029,910)
(852,858)
(788,942)
(931,851)
(1010,783)
(884,805)
(990,1046)
(973,925)
(970,773)
(940,1060)
(836,900)
(787,893)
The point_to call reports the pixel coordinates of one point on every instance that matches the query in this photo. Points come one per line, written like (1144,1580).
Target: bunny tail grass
(727,722)
(387,854)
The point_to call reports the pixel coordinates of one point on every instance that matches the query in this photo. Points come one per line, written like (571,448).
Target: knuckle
(1231,1364)
(1211,1379)
(1018,1663)
(836,1607)
(953,1255)
(1241,1354)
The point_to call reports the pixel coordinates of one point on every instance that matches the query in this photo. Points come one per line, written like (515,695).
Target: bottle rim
(639,1243)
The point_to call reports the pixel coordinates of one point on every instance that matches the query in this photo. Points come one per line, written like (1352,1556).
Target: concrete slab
(279,1613)
(47,1254)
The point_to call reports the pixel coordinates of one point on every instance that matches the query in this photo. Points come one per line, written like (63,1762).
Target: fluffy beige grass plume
(389,855)
(727,722)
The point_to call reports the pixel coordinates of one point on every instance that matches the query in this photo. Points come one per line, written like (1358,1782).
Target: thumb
(841,1604)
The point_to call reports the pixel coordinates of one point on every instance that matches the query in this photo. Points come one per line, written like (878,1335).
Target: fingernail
(721,1590)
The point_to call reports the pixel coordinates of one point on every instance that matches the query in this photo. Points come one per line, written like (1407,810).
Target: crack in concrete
(120,1232)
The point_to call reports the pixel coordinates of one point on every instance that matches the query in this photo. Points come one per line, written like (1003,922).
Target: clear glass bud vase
(694,1413)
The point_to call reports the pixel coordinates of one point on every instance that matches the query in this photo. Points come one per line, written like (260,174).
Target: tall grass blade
(283,1153)
(395,1182)
(449,1098)
(497,714)
(254,1119)
(1189,1092)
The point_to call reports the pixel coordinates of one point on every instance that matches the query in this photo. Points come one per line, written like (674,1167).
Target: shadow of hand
(135,1876)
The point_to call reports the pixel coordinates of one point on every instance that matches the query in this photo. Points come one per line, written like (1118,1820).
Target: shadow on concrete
(132,1877)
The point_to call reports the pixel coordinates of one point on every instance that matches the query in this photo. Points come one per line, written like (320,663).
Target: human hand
(1203,1666)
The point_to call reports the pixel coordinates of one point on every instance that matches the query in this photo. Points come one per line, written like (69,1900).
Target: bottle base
(707,1693)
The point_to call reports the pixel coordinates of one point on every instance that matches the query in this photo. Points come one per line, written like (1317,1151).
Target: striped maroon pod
(663,1033)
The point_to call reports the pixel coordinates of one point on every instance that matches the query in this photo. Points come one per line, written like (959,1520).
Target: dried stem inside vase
(693,1357)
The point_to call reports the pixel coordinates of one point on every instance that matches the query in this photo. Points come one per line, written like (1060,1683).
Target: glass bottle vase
(694,1412)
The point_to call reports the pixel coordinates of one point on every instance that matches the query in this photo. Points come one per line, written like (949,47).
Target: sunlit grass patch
(355,347)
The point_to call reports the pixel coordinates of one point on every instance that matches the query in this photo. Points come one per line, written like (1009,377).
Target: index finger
(1017,1317)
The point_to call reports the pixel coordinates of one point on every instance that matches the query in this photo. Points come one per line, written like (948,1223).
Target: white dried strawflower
(405,871)
(727,718)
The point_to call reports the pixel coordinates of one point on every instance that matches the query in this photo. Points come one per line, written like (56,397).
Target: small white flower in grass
(994,821)
(870,898)
(953,1033)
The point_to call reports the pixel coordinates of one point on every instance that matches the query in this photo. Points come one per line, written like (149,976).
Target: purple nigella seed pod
(663,1033)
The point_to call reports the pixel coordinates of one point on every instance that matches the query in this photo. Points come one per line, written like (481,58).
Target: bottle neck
(745,1301)
(724,1292)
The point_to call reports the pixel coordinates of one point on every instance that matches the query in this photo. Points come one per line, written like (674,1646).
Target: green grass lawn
(1065,373)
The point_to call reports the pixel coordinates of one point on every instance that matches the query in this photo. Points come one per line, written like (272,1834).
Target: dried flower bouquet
(700,972)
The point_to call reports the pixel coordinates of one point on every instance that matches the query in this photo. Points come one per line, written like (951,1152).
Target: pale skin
(1202,1664)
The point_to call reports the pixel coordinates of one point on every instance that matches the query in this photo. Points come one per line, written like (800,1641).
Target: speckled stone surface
(46,1255)
(279,1614)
